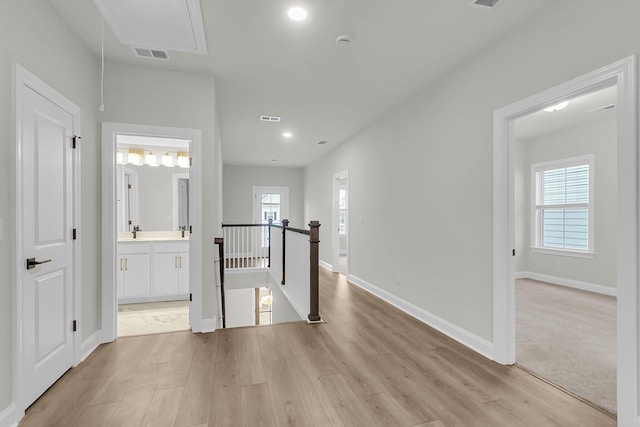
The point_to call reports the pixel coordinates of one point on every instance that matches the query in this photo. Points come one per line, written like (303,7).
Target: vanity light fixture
(183,159)
(151,160)
(167,160)
(135,156)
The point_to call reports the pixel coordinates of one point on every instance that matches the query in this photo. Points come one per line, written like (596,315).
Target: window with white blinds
(563,205)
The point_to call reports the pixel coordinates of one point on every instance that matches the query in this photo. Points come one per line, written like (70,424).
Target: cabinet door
(166,274)
(184,273)
(137,275)
(120,277)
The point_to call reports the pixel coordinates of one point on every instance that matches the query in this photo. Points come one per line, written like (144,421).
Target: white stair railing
(246,246)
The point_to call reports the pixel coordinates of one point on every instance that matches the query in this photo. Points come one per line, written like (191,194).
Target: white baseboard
(463,336)
(569,283)
(325,265)
(8,417)
(208,325)
(89,345)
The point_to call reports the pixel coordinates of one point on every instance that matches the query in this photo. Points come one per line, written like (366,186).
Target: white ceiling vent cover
(151,53)
(270,118)
(484,3)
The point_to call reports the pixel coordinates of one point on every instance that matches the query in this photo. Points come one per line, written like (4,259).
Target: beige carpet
(153,318)
(568,337)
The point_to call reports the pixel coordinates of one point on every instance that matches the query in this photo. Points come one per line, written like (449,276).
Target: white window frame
(536,218)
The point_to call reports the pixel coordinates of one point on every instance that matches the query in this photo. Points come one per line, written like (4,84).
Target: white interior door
(45,135)
(270,203)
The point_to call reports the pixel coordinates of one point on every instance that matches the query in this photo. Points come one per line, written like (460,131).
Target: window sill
(563,252)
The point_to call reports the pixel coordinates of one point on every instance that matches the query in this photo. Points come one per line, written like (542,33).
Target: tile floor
(153,318)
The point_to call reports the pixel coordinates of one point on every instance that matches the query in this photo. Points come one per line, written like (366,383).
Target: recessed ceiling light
(557,107)
(297,13)
(287,134)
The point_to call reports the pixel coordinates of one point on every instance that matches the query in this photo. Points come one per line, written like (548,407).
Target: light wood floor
(370,365)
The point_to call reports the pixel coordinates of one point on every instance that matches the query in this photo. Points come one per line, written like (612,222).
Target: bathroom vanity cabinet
(152,271)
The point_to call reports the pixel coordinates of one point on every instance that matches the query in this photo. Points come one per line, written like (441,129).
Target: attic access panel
(165,25)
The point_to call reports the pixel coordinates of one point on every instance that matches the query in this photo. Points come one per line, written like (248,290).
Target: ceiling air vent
(270,118)
(484,3)
(151,53)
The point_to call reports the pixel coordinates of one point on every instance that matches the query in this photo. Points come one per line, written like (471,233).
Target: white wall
(240,307)
(186,100)
(597,138)
(238,191)
(32,34)
(431,161)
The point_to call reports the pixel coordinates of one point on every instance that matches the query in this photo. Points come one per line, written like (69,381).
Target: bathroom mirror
(152,186)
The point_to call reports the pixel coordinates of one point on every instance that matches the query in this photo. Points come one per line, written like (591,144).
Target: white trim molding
(8,417)
(623,75)
(109,222)
(325,265)
(91,344)
(208,325)
(569,283)
(459,334)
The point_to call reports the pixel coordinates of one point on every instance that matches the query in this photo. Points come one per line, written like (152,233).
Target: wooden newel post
(285,224)
(314,283)
(220,242)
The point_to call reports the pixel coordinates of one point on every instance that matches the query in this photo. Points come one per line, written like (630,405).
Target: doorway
(565,240)
(621,74)
(150,257)
(152,280)
(340,234)
(270,203)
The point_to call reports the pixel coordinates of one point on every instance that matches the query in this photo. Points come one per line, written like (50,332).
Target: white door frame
(623,74)
(23,78)
(335,234)
(109,219)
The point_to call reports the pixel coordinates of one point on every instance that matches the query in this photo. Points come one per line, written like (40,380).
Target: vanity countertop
(153,236)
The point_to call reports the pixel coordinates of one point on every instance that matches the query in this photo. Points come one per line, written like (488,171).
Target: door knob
(31,263)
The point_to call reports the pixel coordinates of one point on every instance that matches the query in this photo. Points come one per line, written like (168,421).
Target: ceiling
(266,64)
(581,110)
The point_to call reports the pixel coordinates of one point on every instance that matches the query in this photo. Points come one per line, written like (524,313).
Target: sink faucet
(182,228)
(135,231)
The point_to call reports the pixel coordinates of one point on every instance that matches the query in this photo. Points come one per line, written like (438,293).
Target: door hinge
(190,161)
(75,234)
(190,229)
(76,140)
(129,186)
(513,252)
(75,326)
(190,297)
